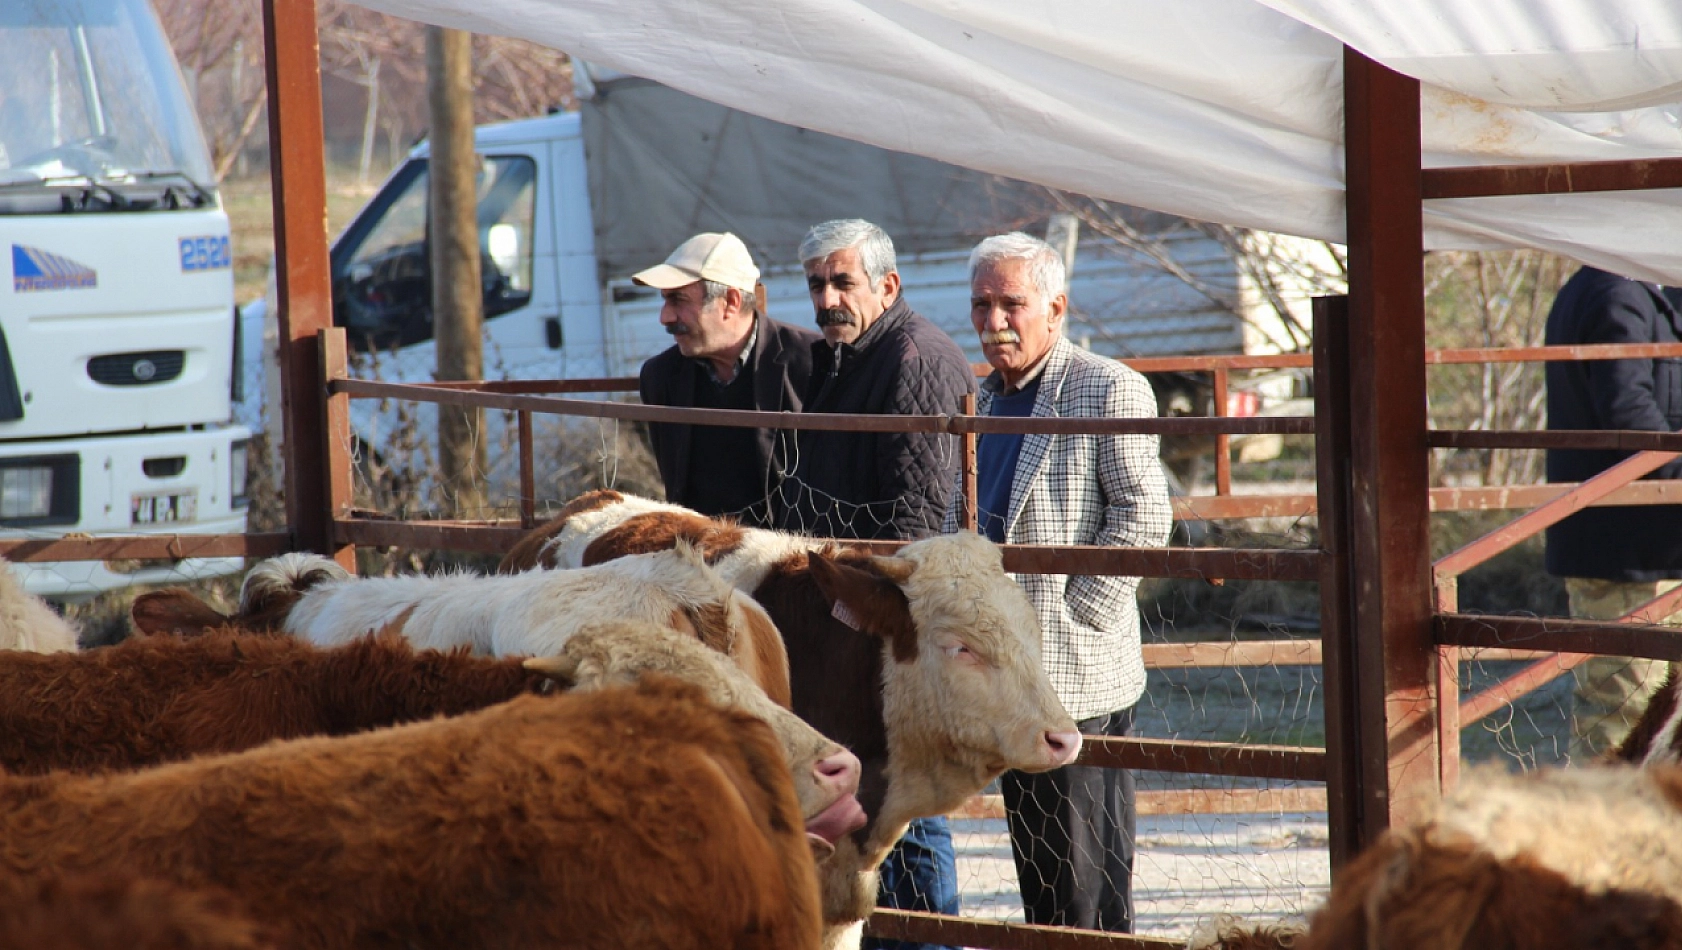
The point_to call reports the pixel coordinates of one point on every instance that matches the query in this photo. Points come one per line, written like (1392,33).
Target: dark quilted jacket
(1620,543)
(879,485)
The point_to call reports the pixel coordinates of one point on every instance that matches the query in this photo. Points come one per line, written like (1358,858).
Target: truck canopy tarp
(1221,110)
(712,168)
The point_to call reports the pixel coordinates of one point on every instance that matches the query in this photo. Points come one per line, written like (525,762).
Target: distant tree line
(373,80)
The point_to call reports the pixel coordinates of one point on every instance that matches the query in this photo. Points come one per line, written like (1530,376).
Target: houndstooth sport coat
(1086,489)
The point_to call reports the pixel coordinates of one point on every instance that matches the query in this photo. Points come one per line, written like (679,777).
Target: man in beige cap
(728,355)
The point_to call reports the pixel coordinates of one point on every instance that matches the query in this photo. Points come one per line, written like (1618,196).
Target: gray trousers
(1071,832)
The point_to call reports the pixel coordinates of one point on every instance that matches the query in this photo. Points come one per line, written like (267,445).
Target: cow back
(628,817)
(151,700)
(106,910)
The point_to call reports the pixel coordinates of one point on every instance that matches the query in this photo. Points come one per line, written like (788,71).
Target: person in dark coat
(878,357)
(1613,558)
(728,355)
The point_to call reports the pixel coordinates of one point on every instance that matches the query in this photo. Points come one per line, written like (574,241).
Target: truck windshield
(93,100)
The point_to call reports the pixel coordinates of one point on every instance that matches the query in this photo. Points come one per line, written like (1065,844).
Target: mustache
(677,329)
(1001,336)
(835,317)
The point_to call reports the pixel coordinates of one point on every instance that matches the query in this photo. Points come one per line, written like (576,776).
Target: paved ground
(1189,868)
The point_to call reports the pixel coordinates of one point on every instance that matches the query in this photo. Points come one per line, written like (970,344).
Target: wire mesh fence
(1206,844)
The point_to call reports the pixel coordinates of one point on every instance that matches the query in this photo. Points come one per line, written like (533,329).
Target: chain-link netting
(1228,660)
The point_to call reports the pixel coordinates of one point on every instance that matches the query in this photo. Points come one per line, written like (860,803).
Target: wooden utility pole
(457,301)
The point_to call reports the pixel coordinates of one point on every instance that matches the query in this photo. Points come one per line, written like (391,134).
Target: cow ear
(561,668)
(174,612)
(866,597)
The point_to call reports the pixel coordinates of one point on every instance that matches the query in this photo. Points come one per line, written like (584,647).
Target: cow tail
(275,585)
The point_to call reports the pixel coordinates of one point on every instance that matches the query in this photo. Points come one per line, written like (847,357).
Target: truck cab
(117,321)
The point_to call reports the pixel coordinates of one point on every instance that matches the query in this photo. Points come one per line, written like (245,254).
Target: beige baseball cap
(710,256)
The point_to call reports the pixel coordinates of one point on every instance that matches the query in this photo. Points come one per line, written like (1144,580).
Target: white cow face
(963,688)
(826,776)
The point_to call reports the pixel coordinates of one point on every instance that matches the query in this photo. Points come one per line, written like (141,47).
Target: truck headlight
(26,492)
(40,490)
(238,457)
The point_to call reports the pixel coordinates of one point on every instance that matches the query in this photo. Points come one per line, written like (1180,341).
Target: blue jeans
(920,873)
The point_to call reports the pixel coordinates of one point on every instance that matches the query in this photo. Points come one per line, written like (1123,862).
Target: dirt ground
(1189,869)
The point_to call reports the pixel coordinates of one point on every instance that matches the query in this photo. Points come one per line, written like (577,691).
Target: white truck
(571,204)
(117,319)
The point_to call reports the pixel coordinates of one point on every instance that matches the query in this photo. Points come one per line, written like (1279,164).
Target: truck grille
(137,369)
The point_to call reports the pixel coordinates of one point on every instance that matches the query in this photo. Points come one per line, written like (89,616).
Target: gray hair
(1045,265)
(876,249)
(712,290)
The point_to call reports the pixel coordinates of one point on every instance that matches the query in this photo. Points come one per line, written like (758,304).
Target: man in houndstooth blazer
(1071,829)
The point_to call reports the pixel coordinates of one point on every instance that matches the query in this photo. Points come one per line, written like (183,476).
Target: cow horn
(896,569)
(561,668)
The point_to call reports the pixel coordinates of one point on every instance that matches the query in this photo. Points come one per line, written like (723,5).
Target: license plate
(164,508)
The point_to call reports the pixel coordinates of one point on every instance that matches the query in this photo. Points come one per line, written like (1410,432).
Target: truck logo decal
(34,269)
(205,252)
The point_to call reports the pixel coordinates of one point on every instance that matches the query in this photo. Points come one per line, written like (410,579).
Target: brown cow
(158,699)
(1656,738)
(1226,932)
(926,664)
(108,910)
(1586,857)
(150,700)
(624,818)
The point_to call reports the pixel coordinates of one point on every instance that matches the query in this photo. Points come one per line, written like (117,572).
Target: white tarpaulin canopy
(1221,110)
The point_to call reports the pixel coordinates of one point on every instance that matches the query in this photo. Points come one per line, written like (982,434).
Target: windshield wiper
(178,184)
(128,191)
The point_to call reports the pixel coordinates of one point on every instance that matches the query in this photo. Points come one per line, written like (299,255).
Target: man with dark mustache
(878,357)
(727,355)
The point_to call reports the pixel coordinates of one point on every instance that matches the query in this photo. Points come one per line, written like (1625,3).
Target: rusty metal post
(1223,442)
(1448,715)
(968,514)
(1347,734)
(299,181)
(1389,528)
(528,478)
(335,439)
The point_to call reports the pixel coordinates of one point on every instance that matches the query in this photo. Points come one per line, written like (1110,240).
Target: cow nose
(838,773)
(1063,744)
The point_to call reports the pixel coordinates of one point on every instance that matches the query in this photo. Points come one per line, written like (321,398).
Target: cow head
(715,613)
(618,654)
(958,635)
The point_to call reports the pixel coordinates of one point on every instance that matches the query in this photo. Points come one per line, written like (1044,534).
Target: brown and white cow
(529,614)
(603,656)
(156,699)
(621,818)
(926,664)
(1588,857)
